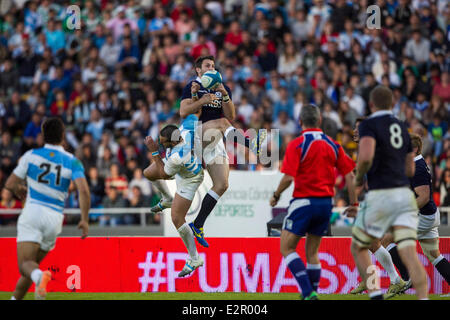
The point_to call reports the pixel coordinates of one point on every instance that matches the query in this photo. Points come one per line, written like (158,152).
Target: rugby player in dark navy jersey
(216,110)
(429,216)
(385,155)
(397,284)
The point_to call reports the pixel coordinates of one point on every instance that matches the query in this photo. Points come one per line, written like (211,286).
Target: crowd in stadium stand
(119,78)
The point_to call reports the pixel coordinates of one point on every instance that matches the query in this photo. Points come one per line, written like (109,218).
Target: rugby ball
(211,79)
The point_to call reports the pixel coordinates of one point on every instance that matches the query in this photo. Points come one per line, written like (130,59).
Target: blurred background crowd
(119,78)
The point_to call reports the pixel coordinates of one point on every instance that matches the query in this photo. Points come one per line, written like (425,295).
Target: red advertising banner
(151,264)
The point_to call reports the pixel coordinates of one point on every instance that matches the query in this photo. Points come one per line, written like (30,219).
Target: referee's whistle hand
(273,202)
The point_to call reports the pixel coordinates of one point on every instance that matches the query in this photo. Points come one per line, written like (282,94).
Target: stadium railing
(143,211)
(97,211)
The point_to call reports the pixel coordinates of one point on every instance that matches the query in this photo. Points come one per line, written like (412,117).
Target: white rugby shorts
(39,224)
(428,226)
(215,152)
(385,208)
(187,187)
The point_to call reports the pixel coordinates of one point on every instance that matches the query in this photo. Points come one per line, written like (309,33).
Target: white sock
(36,276)
(390,246)
(189,241)
(13,298)
(214,195)
(384,258)
(161,186)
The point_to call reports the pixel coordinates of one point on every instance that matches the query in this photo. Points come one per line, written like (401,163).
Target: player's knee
(147,174)
(430,249)
(220,187)
(375,246)
(405,237)
(177,220)
(285,250)
(360,239)
(387,239)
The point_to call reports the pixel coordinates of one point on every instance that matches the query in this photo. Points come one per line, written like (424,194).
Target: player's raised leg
(180,207)
(219,173)
(166,196)
(152,173)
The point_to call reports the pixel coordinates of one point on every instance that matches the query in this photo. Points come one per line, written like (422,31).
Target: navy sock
(314,271)
(398,262)
(297,268)
(443,267)
(208,204)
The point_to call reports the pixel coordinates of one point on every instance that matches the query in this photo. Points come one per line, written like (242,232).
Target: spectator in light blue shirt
(96,125)
(286,103)
(32,18)
(160,19)
(55,36)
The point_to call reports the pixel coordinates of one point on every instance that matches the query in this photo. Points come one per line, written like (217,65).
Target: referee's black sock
(238,136)
(208,204)
(443,267)
(392,249)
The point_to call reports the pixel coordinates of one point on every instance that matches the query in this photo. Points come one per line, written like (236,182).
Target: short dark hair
(382,97)
(310,116)
(53,130)
(199,61)
(171,133)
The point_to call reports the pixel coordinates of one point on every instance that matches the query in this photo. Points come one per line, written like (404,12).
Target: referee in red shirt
(310,162)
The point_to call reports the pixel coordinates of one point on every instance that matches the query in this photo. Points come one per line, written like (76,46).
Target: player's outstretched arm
(85,204)
(190,106)
(16,186)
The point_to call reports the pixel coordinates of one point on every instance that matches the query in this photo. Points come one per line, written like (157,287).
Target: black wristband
(276,197)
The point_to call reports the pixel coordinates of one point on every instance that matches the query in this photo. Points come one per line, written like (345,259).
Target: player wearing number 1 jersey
(385,154)
(48,172)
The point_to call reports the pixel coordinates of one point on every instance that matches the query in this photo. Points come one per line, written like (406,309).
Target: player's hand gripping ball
(211,79)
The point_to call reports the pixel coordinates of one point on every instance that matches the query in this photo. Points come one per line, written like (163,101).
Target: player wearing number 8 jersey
(48,172)
(385,155)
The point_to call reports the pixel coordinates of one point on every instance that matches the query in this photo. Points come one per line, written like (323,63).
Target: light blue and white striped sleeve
(22,167)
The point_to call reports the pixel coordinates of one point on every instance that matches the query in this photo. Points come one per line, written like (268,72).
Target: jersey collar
(310,130)
(380,113)
(52,146)
(418,157)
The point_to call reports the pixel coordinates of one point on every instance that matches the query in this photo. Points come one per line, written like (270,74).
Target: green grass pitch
(201,296)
